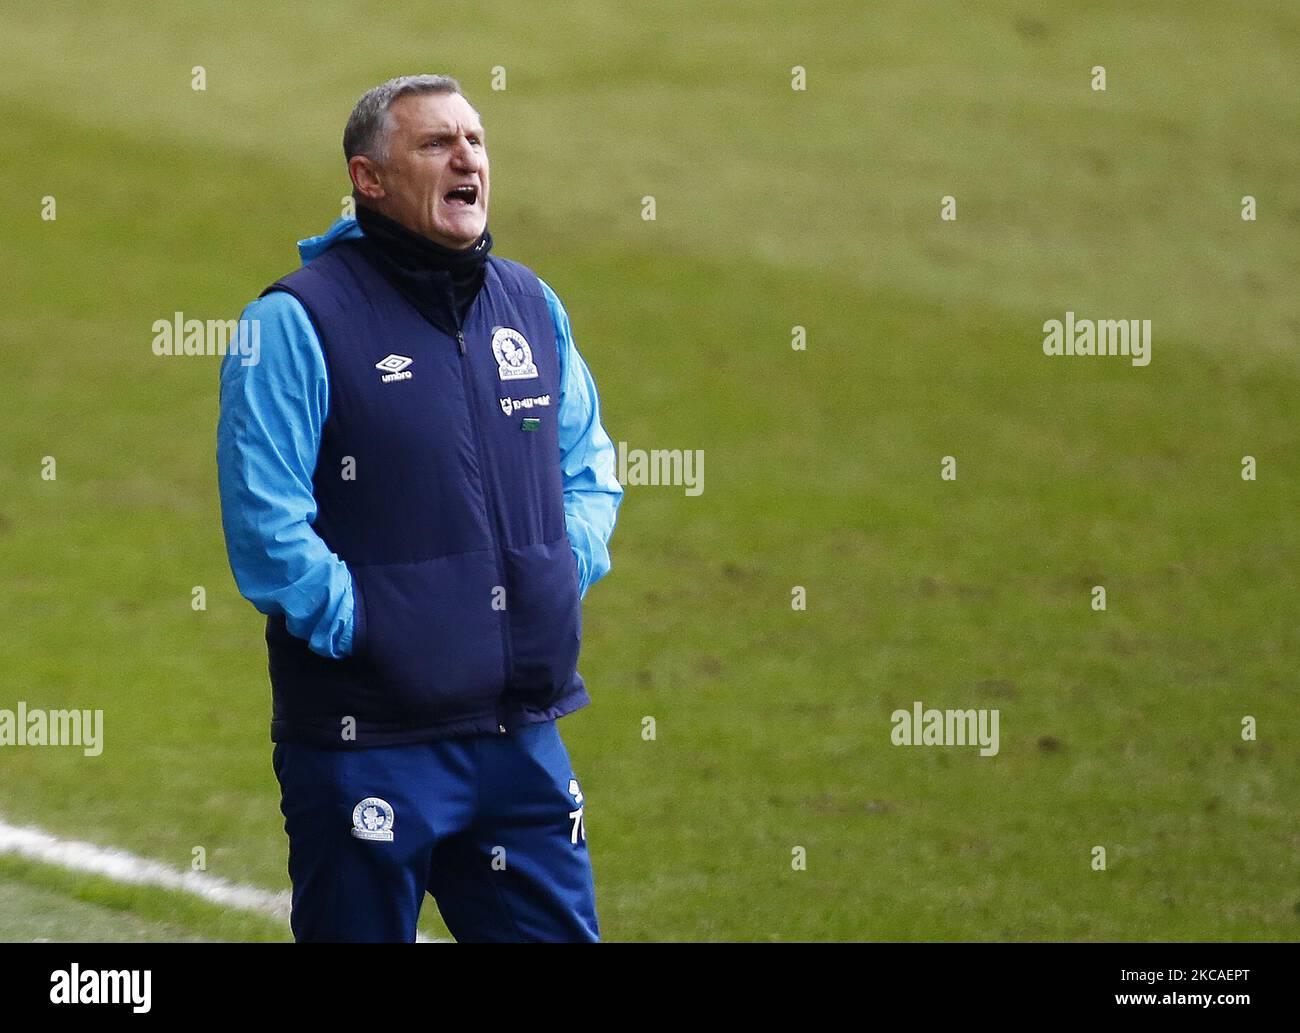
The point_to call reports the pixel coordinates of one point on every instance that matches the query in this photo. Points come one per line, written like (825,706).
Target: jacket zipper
(471,396)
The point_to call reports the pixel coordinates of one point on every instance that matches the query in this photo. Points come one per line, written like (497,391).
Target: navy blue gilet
(438,483)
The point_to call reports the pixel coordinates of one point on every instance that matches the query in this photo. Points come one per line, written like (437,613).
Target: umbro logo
(394,368)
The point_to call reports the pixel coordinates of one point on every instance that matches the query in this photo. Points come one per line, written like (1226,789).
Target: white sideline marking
(122,866)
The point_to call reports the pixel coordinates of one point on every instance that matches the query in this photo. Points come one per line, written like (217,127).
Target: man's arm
(268,438)
(592,492)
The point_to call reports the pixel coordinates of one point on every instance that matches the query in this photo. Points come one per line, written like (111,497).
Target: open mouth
(462,196)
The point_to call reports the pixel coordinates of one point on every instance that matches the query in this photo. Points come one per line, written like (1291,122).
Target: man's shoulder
(516,276)
(326,266)
(274,303)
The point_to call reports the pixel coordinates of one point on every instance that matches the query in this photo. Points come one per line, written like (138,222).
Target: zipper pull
(460,338)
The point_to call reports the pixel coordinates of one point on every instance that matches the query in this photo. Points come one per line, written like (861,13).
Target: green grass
(775,208)
(42,902)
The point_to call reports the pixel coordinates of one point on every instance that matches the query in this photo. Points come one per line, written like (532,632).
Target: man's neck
(439,282)
(411,248)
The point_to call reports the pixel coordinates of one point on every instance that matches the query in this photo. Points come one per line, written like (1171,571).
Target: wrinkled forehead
(419,113)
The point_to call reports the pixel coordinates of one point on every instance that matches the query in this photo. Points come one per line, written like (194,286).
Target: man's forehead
(435,112)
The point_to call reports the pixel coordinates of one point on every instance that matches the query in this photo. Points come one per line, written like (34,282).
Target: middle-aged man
(417,490)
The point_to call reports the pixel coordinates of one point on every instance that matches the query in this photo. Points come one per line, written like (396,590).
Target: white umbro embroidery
(394,368)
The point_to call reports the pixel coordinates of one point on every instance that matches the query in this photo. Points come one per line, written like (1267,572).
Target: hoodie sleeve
(592,493)
(274,398)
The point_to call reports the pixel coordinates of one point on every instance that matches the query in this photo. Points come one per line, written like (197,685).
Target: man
(417,490)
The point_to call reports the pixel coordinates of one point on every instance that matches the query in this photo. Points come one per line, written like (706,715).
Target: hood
(343,229)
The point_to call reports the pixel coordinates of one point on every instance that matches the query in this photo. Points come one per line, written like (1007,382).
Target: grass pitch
(775,208)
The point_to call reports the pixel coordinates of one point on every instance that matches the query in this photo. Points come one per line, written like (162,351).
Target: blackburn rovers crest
(514,357)
(372,818)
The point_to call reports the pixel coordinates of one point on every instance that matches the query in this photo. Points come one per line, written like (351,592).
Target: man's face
(435,180)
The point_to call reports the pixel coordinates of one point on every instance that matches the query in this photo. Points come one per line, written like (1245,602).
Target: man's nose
(466,157)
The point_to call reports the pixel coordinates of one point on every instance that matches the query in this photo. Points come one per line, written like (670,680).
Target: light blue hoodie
(268,438)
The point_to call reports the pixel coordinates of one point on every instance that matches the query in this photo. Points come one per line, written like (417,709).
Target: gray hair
(370,126)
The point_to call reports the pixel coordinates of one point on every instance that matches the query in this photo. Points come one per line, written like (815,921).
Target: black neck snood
(440,282)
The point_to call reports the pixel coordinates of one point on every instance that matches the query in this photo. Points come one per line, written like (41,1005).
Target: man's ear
(365,175)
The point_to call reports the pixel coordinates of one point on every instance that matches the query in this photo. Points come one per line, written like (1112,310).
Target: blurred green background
(775,208)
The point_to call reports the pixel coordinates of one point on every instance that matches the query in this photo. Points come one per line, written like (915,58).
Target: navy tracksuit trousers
(491,825)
